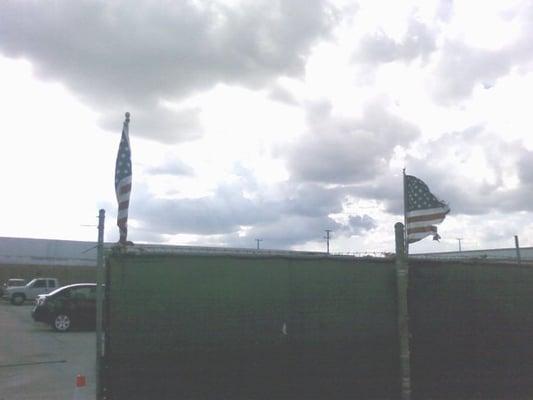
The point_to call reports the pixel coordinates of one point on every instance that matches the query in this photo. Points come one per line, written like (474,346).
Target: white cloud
(116,56)
(255,119)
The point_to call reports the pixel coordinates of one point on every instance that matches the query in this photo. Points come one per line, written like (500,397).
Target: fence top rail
(507,262)
(165,250)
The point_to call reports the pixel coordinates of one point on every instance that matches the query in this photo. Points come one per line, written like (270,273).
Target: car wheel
(18,299)
(62,323)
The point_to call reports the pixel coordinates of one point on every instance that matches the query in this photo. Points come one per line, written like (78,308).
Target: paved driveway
(38,363)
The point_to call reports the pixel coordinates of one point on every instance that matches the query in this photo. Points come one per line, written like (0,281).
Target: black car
(68,306)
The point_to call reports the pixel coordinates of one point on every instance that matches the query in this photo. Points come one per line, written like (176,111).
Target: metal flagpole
(406,237)
(99,303)
(402,282)
(517,246)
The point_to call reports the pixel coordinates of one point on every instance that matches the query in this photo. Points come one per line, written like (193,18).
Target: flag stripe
(427,211)
(428,217)
(123,197)
(416,237)
(432,221)
(419,235)
(125,188)
(124,180)
(421,229)
(425,223)
(420,225)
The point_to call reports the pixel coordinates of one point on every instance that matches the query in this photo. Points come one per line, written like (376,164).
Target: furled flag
(123,180)
(422,210)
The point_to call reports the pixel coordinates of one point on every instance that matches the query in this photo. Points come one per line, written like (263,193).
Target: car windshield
(30,283)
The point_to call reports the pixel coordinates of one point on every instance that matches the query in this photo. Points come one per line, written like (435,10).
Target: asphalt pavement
(39,363)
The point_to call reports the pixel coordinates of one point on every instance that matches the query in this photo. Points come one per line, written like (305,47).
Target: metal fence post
(99,303)
(517,245)
(402,279)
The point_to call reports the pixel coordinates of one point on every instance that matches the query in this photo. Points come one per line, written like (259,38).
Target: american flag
(123,180)
(422,210)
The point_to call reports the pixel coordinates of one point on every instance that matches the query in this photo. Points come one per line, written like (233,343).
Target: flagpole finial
(127,116)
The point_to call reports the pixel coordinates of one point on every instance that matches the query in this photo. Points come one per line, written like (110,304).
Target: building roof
(25,251)
(47,252)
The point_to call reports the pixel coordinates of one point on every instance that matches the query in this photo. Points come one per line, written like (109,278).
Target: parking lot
(39,363)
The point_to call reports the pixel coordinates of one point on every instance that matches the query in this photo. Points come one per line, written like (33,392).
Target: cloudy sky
(269,119)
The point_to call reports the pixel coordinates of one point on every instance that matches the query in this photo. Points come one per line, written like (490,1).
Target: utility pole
(459,240)
(99,303)
(258,240)
(327,237)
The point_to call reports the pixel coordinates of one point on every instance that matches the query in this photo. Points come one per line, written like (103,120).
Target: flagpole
(406,238)
(99,305)
(402,286)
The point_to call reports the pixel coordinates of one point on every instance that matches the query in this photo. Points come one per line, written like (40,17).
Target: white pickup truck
(30,291)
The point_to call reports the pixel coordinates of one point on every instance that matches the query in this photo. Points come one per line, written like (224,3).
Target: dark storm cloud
(445,165)
(348,151)
(223,212)
(227,209)
(296,230)
(290,231)
(311,199)
(419,41)
(118,55)
(360,224)
(446,169)
(296,212)
(386,189)
(300,214)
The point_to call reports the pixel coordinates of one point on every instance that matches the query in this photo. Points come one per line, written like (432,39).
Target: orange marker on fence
(80,392)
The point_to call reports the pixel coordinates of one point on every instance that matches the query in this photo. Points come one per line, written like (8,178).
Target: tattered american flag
(422,210)
(123,180)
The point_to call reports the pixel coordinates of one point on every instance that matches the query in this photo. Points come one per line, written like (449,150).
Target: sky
(267,119)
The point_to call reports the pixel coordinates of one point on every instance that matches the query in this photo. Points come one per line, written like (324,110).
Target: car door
(38,287)
(51,285)
(83,301)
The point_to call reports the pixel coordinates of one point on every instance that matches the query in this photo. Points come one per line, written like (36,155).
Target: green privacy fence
(233,326)
(472,330)
(252,327)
